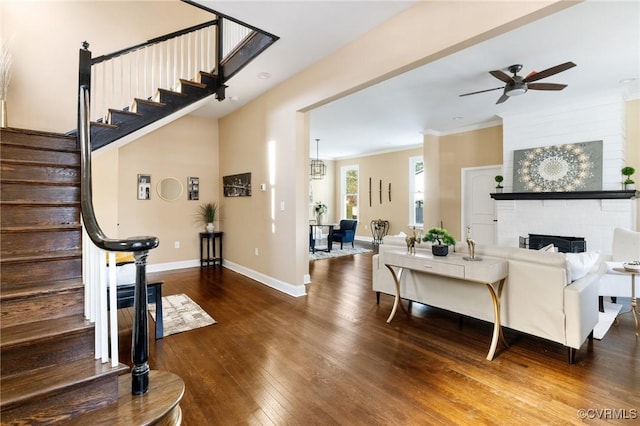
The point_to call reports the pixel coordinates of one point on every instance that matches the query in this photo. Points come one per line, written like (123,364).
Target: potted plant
(498,180)
(628,183)
(441,240)
(320,209)
(207,215)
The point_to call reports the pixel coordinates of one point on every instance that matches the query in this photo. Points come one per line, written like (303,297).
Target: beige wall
(632,151)
(47,36)
(390,168)
(280,116)
(266,233)
(468,149)
(186,147)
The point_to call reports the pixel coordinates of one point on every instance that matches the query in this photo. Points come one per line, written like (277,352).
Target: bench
(125,295)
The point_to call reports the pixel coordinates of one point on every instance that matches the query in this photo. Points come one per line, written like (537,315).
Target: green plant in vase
(207,215)
(628,171)
(441,239)
(499,180)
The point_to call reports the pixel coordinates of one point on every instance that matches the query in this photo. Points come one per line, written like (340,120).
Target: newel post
(140,333)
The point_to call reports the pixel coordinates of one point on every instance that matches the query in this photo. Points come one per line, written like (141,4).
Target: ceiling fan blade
(482,91)
(549,72)
(503,98)
(546,86)
(501,76)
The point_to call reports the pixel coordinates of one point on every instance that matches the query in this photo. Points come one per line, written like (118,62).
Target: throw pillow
(549,247)
(579,264)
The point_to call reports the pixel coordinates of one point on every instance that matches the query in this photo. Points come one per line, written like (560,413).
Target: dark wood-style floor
(330,358)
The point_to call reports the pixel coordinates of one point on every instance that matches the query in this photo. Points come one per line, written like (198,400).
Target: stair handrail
(153,41)
(140,246)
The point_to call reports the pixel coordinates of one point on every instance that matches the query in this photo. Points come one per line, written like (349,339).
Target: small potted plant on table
(207,215)
(441,240)
(628,183)
(498,180)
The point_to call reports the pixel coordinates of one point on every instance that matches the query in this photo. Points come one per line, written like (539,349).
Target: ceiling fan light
(516,89)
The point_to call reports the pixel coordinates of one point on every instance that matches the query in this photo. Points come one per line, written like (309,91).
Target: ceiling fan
(516,85)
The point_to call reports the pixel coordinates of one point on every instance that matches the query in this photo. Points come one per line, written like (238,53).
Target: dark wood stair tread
(41,383)
(172,93)
(165,392)
(40,148)
(193,83)
(42,330)
(41,256)
(149,102)
(38,288)
(33,163)
(43,228)
(36,203)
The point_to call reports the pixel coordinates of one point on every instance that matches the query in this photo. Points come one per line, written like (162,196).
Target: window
(416,191)
(349,188)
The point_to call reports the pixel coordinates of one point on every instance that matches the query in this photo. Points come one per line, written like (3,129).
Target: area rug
(318,255)
(605,319)
(180,313)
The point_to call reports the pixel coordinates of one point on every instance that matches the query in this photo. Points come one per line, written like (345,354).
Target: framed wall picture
(144,187)
(193,188)
(558,168)
(237,185)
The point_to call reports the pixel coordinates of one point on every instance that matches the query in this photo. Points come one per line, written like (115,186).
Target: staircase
(50,373)
(48,370)
(120,123)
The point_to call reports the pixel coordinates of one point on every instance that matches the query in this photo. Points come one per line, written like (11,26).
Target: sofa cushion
(579,264)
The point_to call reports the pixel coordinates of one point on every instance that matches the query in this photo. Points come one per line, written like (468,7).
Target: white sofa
(538,297)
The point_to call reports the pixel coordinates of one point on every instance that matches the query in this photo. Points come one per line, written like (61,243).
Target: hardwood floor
(330,358)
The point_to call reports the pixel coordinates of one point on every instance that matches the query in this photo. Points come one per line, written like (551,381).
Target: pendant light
(318,169)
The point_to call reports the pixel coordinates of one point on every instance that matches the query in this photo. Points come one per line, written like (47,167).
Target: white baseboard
(161,267)
(287,288)
(290,289)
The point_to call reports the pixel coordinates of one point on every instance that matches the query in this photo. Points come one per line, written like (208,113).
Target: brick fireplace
(594,219)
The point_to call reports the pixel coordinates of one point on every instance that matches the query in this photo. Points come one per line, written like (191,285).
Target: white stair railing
(139,71)
(100,274)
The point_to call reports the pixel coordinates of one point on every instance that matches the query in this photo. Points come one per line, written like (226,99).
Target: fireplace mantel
(574,195)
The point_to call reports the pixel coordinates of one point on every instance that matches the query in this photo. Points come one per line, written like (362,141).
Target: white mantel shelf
(574,195)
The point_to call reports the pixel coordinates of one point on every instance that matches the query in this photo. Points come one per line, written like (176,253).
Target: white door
(479,209)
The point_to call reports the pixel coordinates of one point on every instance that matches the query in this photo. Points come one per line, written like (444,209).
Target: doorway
(478,208)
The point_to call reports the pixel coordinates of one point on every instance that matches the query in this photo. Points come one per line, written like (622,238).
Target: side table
(633,293)
(208,240)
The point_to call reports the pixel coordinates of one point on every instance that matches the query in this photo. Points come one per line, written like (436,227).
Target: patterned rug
(180,313)
(606,319)
(347,251)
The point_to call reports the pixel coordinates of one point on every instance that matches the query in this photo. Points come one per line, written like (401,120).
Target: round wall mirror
(170,189)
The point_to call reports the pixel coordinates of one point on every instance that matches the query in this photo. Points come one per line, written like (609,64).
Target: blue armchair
(346,233)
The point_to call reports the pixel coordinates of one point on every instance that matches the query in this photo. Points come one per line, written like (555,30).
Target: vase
(3,113)
(319,219)
(629,186)
(439,250)
(499,190)
(210,227)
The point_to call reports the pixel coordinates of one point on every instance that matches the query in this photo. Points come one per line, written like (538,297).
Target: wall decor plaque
(558,168)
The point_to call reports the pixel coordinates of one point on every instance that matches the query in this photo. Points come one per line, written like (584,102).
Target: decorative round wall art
(559,168)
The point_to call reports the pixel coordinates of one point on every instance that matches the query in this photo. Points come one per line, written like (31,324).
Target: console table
(208,240)
(490,272)
(312,239)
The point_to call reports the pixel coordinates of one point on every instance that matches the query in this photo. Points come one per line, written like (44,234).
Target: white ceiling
(601,37)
